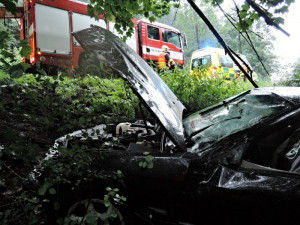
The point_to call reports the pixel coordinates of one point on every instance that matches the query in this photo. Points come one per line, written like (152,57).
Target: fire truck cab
(152,36)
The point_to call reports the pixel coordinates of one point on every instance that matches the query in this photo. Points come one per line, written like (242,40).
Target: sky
(288,48)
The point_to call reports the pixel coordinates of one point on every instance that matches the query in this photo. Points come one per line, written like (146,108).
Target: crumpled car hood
(149,87)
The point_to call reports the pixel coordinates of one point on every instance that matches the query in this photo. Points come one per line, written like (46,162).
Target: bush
(198,93)
(34,111)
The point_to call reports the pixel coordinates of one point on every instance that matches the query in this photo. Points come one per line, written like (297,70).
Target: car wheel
(93,211)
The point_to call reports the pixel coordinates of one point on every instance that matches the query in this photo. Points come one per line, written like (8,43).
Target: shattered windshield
(208,127)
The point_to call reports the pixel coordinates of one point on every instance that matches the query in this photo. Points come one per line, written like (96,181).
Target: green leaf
(4,37)
(42,72)
(52,191)
(16,70)
(149,158)
(284,9)
(81,121)
(141,164)
(25,49)
(243,14)
(249,21)
(288,2)
(279,20)
(7,54)
(114,215)
(107,204)
(243,25)
(220,1)
(10,6)
(144,164)
(108,188)
(44,188)
(254,16)
(150,165)
(245,7)
(152,19)
(25,66)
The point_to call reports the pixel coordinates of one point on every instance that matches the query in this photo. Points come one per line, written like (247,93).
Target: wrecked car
(239,157)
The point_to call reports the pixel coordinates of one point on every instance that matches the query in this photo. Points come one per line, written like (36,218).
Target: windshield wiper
(204,128)
(224,102)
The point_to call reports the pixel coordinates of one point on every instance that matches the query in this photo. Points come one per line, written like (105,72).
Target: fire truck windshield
(172,37)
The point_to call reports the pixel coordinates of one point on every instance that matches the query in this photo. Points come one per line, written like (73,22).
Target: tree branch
(219,38)
(175,14)
(250,42)
(268,20)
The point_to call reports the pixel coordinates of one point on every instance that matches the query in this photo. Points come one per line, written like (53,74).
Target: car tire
(93,210)
(75,203)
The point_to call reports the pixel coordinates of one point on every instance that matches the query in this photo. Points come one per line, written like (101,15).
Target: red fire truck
(47,25)
(152,36)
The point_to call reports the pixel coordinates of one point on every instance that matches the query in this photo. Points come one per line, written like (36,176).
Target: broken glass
(204,129)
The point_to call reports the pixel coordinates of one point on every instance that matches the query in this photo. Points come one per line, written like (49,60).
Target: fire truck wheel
(91,69)
(88,65)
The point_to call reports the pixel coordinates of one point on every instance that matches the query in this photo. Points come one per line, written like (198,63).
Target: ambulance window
(195,63)
(202,62)
(153,33)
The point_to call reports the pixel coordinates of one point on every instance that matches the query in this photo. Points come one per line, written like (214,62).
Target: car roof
(291,94)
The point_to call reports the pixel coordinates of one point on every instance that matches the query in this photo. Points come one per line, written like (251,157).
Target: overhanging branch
(220,39)
(268,20)
(250,41)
